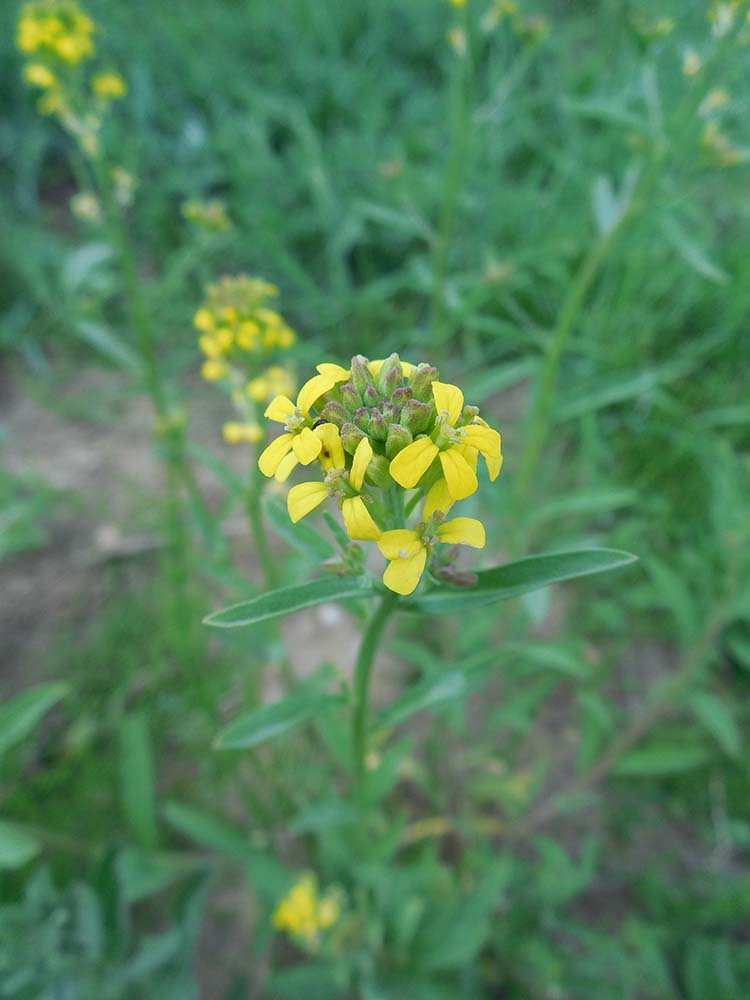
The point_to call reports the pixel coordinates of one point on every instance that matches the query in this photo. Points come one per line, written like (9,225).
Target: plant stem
(255,518)
(369,645)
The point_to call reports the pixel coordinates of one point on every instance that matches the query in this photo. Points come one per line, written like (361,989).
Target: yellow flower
(257,389)
(109,86)
(39,75)
(298,435)
(204,320)
(247,335)
(407,549)
(235,432)
(346,486)
(213,370)
(303,913)
(448,443)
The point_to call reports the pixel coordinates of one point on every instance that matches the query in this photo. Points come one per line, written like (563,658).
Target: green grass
(593,776)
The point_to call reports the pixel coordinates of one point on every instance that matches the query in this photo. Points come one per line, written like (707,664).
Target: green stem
(459,145)
(255,518)
(369,645)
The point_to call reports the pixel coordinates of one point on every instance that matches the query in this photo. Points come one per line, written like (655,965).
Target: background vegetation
(552,223)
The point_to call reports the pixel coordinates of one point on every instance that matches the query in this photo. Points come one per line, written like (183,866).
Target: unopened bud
(350,398)
(397,439)
(350,437)
(400,396)
(371,396)
(377,471)
(362,418)
(390,376)
(335,413)
(416,416)
(421,382)
(378,428)
(361,377)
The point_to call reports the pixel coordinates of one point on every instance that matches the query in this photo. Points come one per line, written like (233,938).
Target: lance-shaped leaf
(272,720)
(20,714)
(289,599)
(518,578)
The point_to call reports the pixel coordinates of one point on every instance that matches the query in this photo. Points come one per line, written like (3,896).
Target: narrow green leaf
(207,830)
(271,720)
(660,760)
(289,599)
(137,781)
(300,536)
(717,719)
(513,579)
(16,846)
(108,344)
(20,714)
(424,695)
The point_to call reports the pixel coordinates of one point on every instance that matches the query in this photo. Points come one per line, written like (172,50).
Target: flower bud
(421,382)
(350,437)
(400,396)
(377,472)
(378,428)
(362,418)
(390,413)
(335,413)
(361,377)
(390,376)
(416,416)
(397,439)
(350,398)
(371,396)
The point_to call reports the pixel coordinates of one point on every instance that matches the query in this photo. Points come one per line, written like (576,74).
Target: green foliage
(556,785)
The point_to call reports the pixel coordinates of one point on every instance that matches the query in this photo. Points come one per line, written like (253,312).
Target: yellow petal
(461,478)
(360,463)
(439,498)
(334,372)
(448,399)
(494,465)
(485,439)
(462,531)
(402,575)
(306,446)
(304,498)
(332,451)
(287,465)
(399,544)
(312,390)
(358,521)
(279,409)
(271,457)
(408,467)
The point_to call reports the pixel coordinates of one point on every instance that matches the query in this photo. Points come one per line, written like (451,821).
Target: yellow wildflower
(447,442)
(236,433)
(407,549)
(213,370)
(108,86)
(204,320)
(345,486)
(39,75)
(303,913)
(298,435)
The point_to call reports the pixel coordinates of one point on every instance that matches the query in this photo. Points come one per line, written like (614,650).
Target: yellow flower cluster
(210,215)
(303,913)
(57,37)
(377,431)
(56,29)
(239,337)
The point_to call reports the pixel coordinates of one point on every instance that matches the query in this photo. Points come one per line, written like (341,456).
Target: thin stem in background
(371,637)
